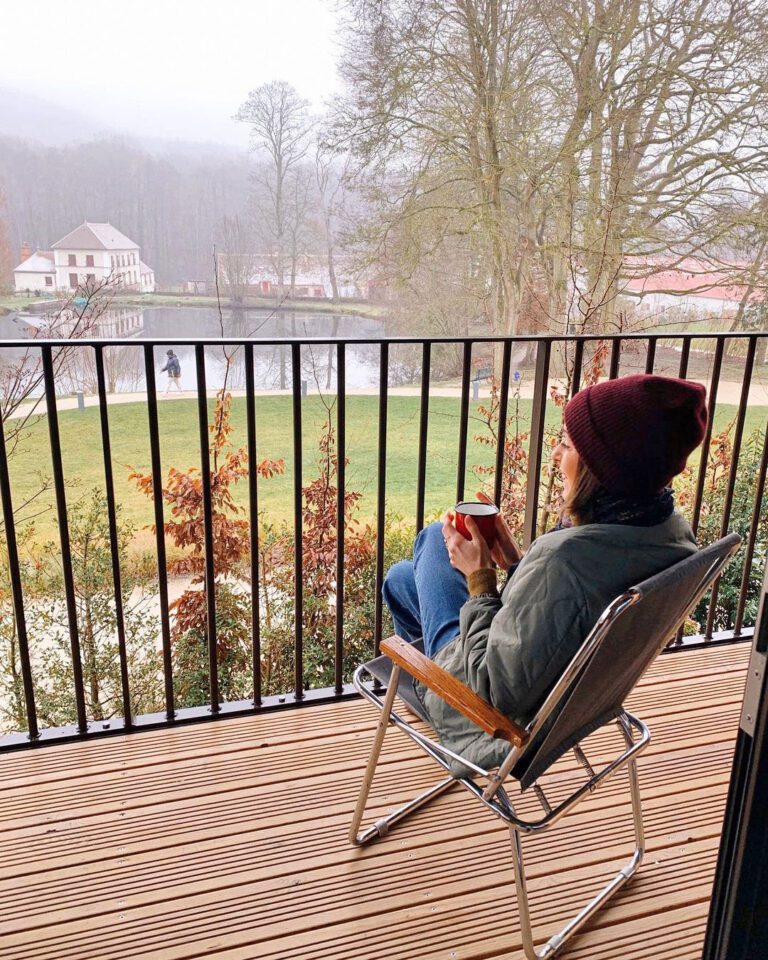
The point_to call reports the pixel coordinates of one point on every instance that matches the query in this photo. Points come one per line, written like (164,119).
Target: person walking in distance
(173,368)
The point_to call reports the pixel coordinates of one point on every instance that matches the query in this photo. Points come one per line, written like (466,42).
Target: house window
(49,281)
(72,260)
(90,277)
(73,281)
(88,260)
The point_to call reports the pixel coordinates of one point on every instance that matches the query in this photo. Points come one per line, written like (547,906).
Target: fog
(167,68)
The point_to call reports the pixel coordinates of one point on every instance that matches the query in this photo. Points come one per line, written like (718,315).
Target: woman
(624,440)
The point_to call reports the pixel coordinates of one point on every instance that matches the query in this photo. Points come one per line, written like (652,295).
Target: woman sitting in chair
(624,441)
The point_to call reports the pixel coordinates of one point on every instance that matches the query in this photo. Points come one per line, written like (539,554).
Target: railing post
(538,413)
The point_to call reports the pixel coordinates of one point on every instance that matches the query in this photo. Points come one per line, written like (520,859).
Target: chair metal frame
(635,734)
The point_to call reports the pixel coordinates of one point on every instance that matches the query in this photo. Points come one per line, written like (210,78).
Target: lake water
(124,366)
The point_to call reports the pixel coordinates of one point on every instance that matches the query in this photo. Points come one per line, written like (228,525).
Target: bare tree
(237,262)
(280,130)
(300,189)
(6,254)
(566,144)
(331,174)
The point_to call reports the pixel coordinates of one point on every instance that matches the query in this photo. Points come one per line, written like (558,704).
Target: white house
(91,253)
(36,272)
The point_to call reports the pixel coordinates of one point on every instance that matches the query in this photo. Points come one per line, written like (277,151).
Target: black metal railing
(546,358)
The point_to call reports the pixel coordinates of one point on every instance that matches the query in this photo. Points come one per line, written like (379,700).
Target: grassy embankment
(305,304)
(179,435)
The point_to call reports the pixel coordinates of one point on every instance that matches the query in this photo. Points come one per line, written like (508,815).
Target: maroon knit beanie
(635,433)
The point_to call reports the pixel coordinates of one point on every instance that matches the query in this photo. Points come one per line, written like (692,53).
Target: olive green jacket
(513,648)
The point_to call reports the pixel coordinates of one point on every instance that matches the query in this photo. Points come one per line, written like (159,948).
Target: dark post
(537,434)
(738,918)
(210,572)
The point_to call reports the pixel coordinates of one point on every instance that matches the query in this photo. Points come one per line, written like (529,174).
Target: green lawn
(179,434)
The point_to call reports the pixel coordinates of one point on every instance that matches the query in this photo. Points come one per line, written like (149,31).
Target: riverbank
(362,308)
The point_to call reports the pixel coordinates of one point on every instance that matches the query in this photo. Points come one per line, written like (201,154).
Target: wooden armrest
(453,691)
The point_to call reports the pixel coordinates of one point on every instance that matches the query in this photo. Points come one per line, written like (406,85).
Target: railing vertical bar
(66,552)
(650,357)
(157,497)
(615,358)
(253,510)
(466,373)
(17,590)
(712,403)
(501,430)
(578,363)
(341,453)
(381,501)
(298,527)
(210,569)
(114,545)
(737,440)
(752,538)
(535,452)
(421,481)
(685,353)
(702,476)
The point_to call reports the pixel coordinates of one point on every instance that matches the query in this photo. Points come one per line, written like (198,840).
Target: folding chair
(628,636)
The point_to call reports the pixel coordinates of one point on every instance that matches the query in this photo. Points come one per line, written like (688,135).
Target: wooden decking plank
(199,915)
(175,744)
(259,766)
(249,862)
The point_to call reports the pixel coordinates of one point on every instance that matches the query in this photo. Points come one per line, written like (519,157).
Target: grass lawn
(179,437)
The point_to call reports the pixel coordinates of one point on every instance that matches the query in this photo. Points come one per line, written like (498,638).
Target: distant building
(36,272)
(692,284)
(256,273)
(91,253)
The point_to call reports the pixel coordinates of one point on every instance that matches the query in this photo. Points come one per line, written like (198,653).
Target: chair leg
(381,827)
(556,942)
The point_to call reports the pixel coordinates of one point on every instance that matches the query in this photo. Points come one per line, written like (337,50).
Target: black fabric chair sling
(626,639)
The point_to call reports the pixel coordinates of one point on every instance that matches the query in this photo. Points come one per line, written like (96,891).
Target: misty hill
(24,116)
(29,117)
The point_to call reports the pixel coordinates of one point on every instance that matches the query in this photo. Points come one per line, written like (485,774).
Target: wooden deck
(228,841)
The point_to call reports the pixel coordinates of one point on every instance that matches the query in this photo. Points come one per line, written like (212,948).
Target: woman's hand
(466,555)
(505,551)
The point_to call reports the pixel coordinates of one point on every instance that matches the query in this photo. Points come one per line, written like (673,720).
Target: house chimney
(26,251)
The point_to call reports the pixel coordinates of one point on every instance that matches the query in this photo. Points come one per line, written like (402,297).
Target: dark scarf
(630,511)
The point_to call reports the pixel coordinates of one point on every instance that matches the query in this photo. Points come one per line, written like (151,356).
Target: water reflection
(124,365)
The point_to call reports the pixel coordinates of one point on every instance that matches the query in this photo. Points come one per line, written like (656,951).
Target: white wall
(32,281)
(102,266)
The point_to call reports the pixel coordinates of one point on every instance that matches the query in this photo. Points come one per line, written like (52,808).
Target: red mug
(484,515)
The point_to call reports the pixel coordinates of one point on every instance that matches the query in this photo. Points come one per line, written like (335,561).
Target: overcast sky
(168,68)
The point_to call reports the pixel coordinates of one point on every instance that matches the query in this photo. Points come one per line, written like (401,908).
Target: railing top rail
(277,341)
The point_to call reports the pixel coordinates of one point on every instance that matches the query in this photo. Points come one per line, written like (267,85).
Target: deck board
(228,840)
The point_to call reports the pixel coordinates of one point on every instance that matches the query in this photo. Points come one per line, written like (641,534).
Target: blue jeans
(426,594)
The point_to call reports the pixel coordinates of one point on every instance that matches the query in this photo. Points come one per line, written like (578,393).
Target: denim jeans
(426,594)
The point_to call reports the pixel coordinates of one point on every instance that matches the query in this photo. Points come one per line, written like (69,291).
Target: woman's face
(567,461)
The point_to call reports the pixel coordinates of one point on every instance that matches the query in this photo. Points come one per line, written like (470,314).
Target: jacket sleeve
(163,369)
(515,651)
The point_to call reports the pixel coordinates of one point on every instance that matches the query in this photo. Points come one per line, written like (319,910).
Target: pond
(124,366)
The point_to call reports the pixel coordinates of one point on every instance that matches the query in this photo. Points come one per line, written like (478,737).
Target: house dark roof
(95,236)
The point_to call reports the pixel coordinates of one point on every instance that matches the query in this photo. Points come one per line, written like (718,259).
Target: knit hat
(635,433)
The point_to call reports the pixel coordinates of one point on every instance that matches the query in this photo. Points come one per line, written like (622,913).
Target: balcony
(227,840)
(151,835)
